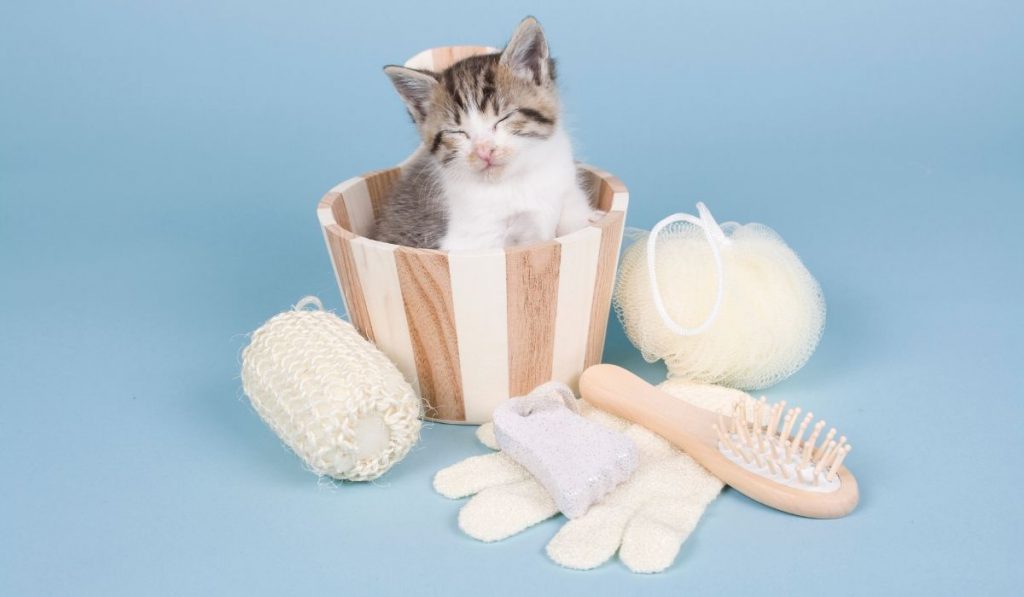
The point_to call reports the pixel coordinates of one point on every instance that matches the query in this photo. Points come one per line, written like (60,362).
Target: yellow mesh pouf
(730,304)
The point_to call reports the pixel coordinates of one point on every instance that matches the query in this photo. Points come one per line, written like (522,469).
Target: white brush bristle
(761,439)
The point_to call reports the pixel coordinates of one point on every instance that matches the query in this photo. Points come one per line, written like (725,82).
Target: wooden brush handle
(621,393)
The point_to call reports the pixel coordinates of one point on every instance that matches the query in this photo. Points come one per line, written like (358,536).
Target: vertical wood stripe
(427,298)
(620,195)
(608,260)
(382,294)
(442,58)
(334,264)
(620,201)
(577,280)
(424,60)
(359,209)
(481,311)
(607,191)
(331,210)
(339,246)
(532,286)
(378,184)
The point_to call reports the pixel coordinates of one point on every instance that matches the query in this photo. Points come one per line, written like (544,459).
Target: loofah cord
(331,396)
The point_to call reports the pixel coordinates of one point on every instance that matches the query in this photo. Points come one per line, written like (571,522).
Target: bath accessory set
(452,336)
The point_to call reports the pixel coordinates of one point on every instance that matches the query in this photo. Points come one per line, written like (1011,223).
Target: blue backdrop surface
(159,167)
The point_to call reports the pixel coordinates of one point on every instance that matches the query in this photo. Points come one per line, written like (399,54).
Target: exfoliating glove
(646,519)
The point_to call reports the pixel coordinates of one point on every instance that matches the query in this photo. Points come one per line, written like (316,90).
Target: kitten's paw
(596,215)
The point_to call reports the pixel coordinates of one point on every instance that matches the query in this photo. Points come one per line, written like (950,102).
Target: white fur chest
(523,207)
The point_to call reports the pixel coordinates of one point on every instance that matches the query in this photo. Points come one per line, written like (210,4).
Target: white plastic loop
(307,301)
(716,238)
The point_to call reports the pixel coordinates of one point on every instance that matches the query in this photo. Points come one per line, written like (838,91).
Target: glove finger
(477,473)
(500,512)
(485,433)
(682,491)
(653,537)
(590,540)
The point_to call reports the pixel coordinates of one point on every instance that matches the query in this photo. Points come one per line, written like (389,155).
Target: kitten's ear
(527,53)
(415,87)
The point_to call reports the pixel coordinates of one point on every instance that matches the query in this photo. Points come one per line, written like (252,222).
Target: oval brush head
(759,438)
(768,453)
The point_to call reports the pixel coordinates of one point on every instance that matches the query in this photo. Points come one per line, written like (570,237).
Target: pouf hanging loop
(715,237)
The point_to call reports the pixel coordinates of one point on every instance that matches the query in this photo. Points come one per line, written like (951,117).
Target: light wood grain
(607,262)
(427,298)
(334,203)
(382,293)
(577,282)
(339,246)
(359,208)
(379,184)
(442,58)
(438,59)
(532,283)
(479,297)
(621,393)
(608,193)
(609,188)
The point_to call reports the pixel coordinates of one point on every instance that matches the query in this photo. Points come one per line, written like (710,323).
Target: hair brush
(760,449)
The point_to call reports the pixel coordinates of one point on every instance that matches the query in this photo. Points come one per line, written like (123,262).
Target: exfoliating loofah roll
(730,305)
(331,396)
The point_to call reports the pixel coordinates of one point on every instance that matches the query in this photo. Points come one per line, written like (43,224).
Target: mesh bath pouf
(330,395)
(730,305)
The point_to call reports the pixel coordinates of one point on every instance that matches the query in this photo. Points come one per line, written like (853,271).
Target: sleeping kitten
(496,167)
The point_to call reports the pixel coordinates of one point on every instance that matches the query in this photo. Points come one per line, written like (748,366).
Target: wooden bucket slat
(427,297)
(532,285)
(611,241)
(382,294)
(577,281)
(479,296)
(378,184)
(339,243)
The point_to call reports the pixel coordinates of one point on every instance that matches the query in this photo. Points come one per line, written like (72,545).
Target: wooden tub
(470,329)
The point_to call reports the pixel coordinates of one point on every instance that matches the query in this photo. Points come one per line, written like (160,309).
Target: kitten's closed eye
(440,135)
(505,117)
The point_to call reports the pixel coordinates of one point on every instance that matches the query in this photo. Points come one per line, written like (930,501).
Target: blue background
(159,167)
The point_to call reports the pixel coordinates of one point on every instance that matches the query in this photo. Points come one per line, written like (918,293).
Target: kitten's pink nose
(484,151)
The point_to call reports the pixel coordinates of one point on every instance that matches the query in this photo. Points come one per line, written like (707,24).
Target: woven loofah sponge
(331,396)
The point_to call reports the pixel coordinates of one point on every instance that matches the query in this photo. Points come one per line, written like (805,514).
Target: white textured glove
(646,519)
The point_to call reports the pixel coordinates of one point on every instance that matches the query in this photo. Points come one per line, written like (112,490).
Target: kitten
(496,167)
